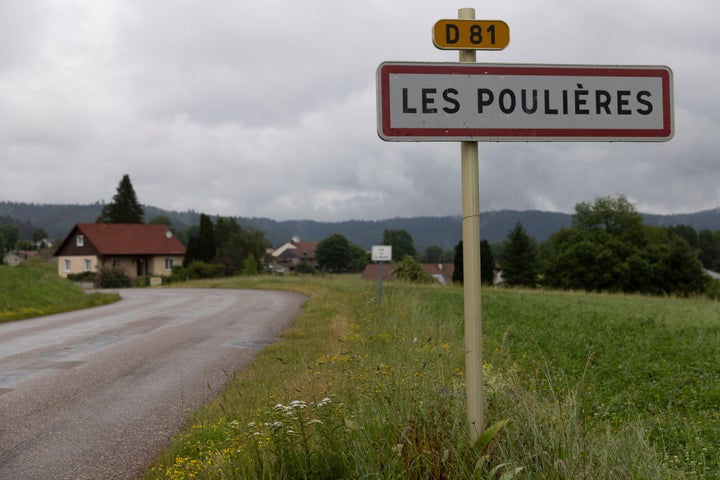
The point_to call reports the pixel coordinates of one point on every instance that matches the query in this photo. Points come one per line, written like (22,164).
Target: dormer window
(80,240)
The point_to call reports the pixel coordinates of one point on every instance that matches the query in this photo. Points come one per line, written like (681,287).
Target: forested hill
(445,232)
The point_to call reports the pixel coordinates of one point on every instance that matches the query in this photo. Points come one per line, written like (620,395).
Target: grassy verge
(34,288)
(593,386)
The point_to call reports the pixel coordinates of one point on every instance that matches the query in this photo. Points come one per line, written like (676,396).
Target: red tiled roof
(305,249)
(131,239)
(372,271)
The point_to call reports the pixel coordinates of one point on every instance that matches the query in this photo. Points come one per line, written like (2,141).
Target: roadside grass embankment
(33,289)
(593,386)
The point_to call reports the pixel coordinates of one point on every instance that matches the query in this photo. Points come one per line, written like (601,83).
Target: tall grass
(34,288)
(592,386)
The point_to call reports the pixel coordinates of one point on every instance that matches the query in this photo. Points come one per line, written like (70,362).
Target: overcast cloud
(267,109)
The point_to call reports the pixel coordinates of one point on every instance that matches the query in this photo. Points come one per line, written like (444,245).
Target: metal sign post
(381,253)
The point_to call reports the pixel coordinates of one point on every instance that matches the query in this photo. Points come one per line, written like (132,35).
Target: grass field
(34,288)
(593,386)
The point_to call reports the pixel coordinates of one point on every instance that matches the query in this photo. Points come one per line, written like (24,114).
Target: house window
(88,265)
(115,263)
(80,240)
(169,263)
(67,265)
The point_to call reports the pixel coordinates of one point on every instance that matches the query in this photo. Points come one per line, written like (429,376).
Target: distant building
(138,249)
(16,257)
(291,254)
(442,272)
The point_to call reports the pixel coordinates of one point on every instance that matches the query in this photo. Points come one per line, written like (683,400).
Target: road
(96,394)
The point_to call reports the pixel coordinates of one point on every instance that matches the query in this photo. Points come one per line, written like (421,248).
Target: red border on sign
(522,134)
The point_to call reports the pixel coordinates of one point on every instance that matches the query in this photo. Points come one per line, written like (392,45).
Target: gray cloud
(268,108)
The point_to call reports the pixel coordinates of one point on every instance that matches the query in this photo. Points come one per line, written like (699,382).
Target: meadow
(577,386)
(33,289)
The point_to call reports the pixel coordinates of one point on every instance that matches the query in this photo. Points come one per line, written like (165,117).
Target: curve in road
(96,394)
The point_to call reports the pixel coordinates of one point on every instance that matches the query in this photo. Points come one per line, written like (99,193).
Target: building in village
(138,249)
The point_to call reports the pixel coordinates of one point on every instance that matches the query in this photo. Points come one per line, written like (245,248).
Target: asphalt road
(96,394)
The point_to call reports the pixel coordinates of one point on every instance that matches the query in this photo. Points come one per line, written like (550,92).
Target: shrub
(82,277)
(196,270)
(409,269)
(304,267)
(250,265)
(112,277)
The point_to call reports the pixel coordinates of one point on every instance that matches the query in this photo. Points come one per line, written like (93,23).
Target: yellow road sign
(471,34)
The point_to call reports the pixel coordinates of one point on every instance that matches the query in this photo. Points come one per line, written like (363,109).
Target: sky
(268,108)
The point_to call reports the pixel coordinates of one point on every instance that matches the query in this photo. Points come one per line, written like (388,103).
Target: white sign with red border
(518,102)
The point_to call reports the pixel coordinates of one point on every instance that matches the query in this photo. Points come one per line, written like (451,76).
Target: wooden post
(471,271)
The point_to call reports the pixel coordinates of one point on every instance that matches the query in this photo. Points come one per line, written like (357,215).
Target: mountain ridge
(445,231)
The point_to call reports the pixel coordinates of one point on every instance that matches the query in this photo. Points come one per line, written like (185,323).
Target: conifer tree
(519,263)
(202,247)
(124,207)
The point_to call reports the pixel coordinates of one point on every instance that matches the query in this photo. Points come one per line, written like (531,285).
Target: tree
(401,242)
(709,244)
(609,249)
(458,273)
(161,220)
(432,254)
(487,263)
(124,207)
(519,263)
(679,270)
(333,253)
(236,245)
(201,247)
(409,269)
(616,216)
(250,266)
(39,235)
(9,235)
(684,231)
(359,258)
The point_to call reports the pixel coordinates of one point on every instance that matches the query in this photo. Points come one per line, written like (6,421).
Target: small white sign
(381,253)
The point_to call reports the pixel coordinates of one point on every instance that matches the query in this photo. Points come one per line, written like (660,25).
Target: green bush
(304,267)
(112,277)
(82,277)
(409,269)
(197,270)
(250,265)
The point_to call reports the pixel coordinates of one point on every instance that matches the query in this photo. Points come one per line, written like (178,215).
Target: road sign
(471,34)
(381,253)
(517,102)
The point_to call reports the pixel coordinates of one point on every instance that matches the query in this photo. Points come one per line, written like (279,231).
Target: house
(138,249)
(442,272)
(289,255)
(16,257)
